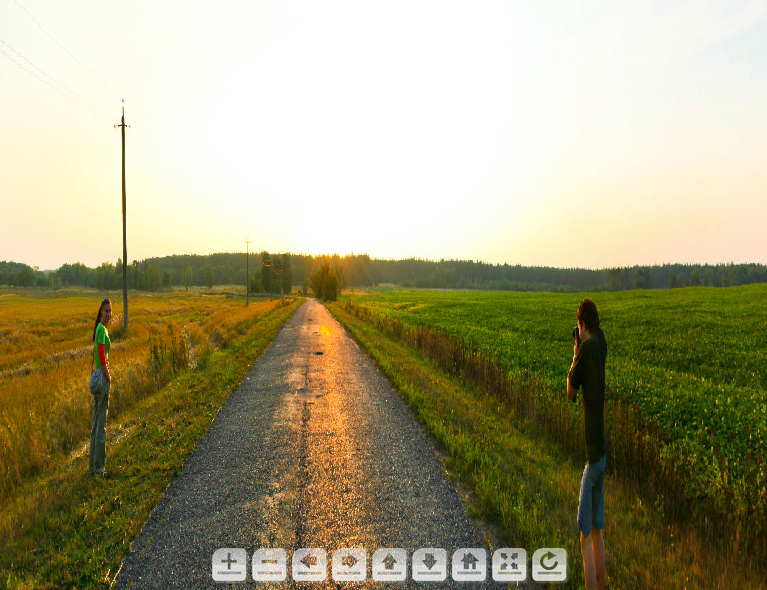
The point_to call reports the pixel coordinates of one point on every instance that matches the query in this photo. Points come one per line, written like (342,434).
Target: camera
(577,334)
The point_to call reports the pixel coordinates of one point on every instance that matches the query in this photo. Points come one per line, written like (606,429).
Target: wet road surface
(313,450)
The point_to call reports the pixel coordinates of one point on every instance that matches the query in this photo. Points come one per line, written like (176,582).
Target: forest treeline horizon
(279,272)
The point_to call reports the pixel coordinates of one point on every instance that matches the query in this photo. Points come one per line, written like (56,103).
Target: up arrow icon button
(389,565)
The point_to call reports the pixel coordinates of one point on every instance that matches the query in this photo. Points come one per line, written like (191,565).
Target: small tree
(166,280)
(210,276)
(626,278)
(27,277)
(186,275)
(266,272)
(324,283)
(642,279)
(152,278)
(614,275)
(287,275)
(317,280)
(331,287)
(341,278)
(695,277)
(276,274)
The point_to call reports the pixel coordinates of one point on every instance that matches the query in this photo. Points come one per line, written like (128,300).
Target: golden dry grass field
(45,364)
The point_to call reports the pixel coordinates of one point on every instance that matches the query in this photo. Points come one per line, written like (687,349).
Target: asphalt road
(313,450)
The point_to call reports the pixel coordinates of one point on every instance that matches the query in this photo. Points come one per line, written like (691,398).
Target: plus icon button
(230,565)
(228,561)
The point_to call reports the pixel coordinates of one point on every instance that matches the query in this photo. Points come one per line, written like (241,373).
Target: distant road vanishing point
(314,450)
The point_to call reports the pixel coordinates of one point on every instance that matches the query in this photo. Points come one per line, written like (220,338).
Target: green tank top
(102,337)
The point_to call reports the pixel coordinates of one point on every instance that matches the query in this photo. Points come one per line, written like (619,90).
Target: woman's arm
(103,361)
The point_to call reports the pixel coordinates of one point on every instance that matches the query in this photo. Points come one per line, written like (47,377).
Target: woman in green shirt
(101,381)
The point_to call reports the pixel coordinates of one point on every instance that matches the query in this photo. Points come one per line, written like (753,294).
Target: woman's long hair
(98,317)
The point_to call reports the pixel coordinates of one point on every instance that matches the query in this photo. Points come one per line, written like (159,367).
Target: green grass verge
(526,485)
(76,529)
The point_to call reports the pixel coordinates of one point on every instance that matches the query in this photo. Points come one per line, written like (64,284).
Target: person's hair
(98,317)
(587,313)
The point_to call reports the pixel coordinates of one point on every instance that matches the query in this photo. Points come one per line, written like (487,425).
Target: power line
(194,197)
(219,225)
(41,75)
(53,83)
(81,101)
(165,175)
(44,73)
(56,41)
(178,189)
(276,271)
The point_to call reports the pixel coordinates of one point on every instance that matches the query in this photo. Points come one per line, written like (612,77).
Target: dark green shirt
(589,371)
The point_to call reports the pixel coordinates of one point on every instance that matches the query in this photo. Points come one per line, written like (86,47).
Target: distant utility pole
(247,269)
(125,247)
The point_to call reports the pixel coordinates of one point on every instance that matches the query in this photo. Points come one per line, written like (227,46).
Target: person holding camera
(588,371)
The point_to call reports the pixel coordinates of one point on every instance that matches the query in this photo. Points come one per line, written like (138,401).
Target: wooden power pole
(125,247)
(247,270)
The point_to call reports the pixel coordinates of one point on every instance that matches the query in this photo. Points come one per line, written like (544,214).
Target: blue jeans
(591,508)
(98,443)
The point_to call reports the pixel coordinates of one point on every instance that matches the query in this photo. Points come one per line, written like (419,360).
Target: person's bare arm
(571,391)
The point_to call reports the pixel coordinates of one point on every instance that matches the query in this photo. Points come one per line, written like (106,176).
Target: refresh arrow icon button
(550,565)
(548,556)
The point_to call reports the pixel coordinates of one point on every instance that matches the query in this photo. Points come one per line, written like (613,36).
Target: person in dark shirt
(588,371)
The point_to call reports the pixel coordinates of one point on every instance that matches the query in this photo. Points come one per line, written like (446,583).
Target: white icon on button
(270,565)
(230,565)
(430,565)
(470,565)
(390,565)
(550,565)
(310,565)
(350,565)
(510,565)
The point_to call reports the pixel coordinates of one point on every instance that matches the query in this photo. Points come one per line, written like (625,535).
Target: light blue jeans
(591,508)
(98,450)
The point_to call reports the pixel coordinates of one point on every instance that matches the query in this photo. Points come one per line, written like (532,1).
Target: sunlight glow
(429,129)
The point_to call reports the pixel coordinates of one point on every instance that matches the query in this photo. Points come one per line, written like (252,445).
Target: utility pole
(247,269)
(125,247)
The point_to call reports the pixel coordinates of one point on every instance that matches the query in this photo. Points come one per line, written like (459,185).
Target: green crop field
(693,362)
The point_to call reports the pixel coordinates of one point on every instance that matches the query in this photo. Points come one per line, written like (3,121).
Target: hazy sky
(586,134)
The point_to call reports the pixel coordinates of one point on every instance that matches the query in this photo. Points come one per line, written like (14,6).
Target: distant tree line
(157,274)
(463,274)
(328,276)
